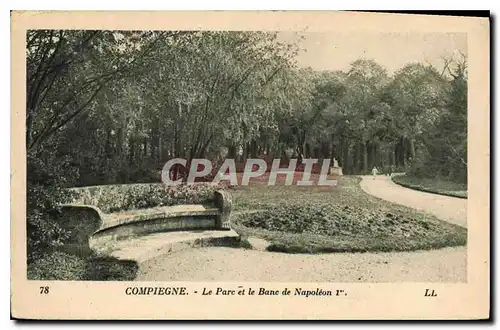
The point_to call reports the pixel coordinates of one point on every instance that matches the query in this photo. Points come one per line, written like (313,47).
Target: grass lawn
(343,218)
(436,186)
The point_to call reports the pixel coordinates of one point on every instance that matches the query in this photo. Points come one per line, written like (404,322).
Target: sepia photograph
(246,156)
(106,110)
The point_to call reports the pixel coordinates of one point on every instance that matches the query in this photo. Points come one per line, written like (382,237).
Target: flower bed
(341,219)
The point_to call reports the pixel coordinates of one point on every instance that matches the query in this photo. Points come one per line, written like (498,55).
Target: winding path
(230,264)
(446,208)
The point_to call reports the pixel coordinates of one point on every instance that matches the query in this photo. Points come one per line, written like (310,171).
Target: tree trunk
(412,148)
(369,155)
(348,158)
(155,141)
(344,160)
(393,156)
(357,158)
(331,150)
(403,152)
(231,152)
(365,157)
(284,156)
(160,149)
(246,152)
(308,153)
(254,148)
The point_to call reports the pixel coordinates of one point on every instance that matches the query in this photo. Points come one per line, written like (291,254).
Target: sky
(335,50)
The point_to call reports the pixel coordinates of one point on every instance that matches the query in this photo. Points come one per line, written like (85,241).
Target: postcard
(230,165)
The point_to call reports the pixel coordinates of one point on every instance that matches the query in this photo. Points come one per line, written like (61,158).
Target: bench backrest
(113,198)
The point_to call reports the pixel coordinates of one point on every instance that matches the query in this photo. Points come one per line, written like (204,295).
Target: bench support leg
(224,204)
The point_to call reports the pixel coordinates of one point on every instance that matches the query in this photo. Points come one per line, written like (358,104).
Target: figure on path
(390,170)
(374,172)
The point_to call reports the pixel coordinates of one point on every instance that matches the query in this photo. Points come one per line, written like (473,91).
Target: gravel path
(230,264)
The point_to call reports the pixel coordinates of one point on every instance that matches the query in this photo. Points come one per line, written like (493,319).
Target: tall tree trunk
(144,148)
(284,156)
(357,158)
(176,142)
(344,161)
(404,152)
(339,153)
(375,161)
(180,130)
(231,152)
(332,149)
(254,148)
(365,157)
(121,142)
(349,157)
(412,148)
(307,154)
(393,156)
(160,149)
(246,152)
(370,148)
(155,143)
(318,153)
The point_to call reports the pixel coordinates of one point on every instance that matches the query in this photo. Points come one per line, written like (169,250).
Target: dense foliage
(113,106)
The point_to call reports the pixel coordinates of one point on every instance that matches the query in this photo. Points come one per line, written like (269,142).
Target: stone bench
(93,228)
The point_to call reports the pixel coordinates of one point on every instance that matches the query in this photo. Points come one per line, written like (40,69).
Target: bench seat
(92,227)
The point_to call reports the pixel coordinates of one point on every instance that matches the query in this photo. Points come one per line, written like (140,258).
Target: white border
(184,5)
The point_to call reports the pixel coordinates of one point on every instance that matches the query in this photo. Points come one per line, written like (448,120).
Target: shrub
(312,227)
(44,194)
(110,269)
(57,266)
(328,220)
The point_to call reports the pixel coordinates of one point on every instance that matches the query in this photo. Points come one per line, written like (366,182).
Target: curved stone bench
(132,233)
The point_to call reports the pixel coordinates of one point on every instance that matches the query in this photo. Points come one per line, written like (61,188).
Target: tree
(447,143)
